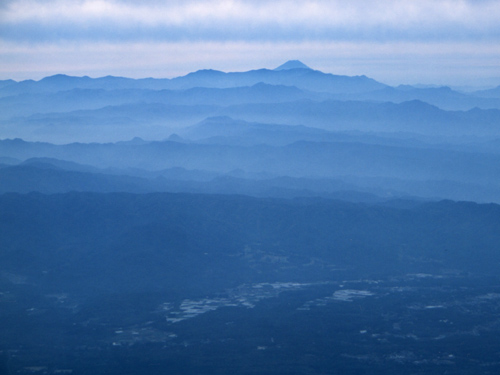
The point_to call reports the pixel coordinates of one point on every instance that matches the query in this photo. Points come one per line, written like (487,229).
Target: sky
(453,42)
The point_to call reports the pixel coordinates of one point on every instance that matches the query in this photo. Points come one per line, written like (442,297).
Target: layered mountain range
(282,221)
(292,130)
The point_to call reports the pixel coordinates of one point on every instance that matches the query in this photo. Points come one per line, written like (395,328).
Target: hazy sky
(394,41)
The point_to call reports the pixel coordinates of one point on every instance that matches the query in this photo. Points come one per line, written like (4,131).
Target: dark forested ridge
(112,238)
(180,279)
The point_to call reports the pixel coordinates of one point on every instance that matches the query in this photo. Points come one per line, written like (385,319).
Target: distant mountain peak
(55,77)
(218,120)
(292,64)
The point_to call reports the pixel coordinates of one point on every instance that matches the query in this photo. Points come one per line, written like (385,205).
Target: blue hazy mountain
(45,175)
(491,93)
(298,158)
(307,79)
(376,165)
(302,78)
(412,117)
(79,99)
(292,64)
(7,82)
(226,130)
(62,82)
(16,109)
(442,97)
(158,120)
(293,74)
(254,126)
(65,105)
(62,109)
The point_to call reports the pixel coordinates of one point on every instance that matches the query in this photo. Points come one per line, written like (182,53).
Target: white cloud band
(250,20)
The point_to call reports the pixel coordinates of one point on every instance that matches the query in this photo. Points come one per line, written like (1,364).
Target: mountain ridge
(302,78)
(292,64)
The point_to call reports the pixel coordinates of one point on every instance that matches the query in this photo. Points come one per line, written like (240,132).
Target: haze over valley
(284,221)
